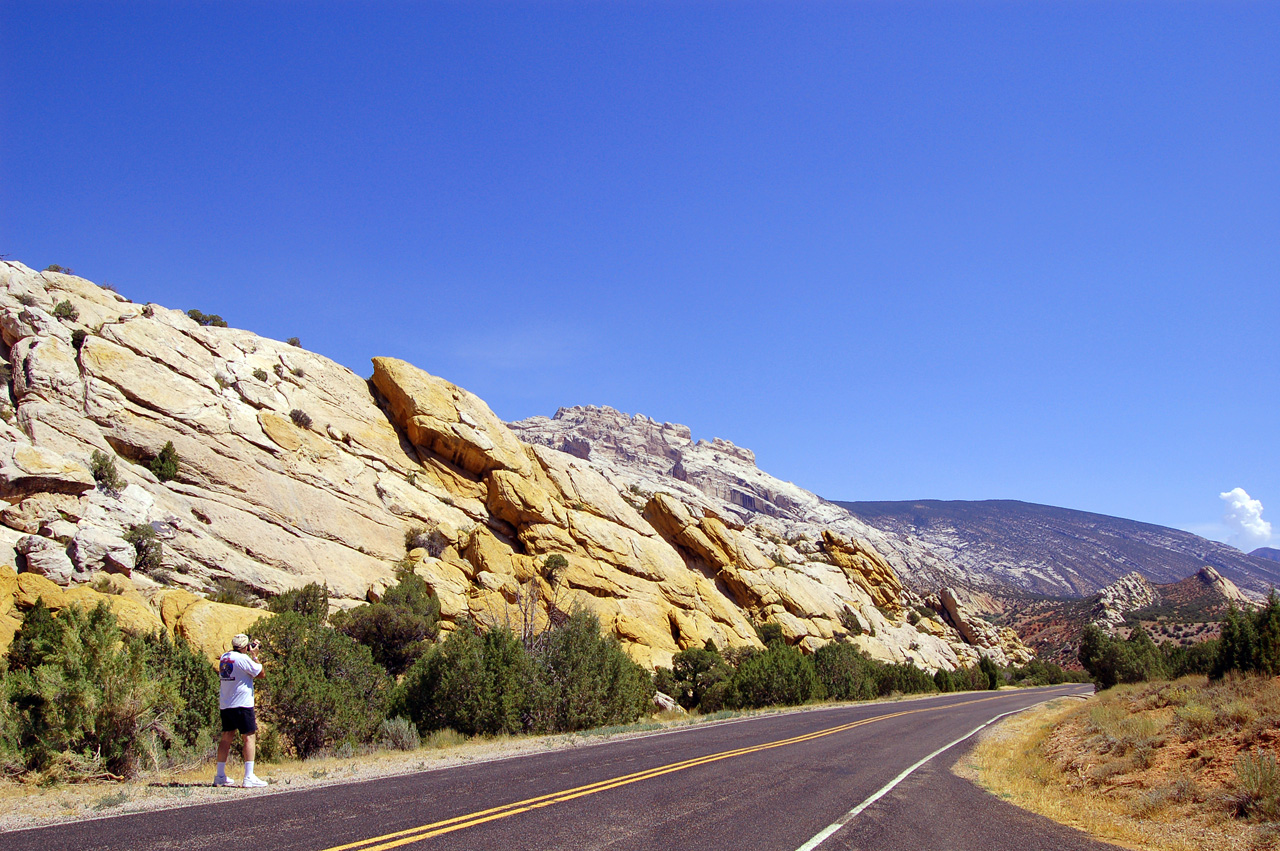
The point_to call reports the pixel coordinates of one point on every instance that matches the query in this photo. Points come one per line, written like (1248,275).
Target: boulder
(210,626)
(447,420)
(98,549)
(27,469)
(46,558)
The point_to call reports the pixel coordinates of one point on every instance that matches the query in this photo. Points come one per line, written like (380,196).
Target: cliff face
(294,469)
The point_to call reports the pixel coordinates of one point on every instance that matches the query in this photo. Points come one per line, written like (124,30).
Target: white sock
(222,769)
(248,769)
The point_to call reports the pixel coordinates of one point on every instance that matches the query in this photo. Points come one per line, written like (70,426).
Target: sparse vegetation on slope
(1173,766)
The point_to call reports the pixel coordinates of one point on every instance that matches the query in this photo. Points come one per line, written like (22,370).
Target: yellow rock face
(447,420)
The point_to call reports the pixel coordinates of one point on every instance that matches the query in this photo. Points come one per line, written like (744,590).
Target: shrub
(54,267)
(849,620)
(323,688)
(294,341)
(485,682)
(78,336)
(300,418)
(1110,660)
(147,546)
(1258,785)
(311,601)
(165,465)
(699,673)
(845,672)
(769,633)
(66,310)
(396,629)
(585,679)
(207,319)
(902,678)
(553,566)
(89,702)
(988,668)
(39,636)
(298,372)
(781,675)
(399,734)
(474,682)
(194,680)
(260,374)
(105,473)
(232,592)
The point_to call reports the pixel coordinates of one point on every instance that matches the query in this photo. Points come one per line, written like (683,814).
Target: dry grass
(1178,766)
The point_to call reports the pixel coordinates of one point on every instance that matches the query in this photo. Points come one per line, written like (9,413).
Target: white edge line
(884,790)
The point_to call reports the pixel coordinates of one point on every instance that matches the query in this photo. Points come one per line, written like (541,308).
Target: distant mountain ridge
(1060,551)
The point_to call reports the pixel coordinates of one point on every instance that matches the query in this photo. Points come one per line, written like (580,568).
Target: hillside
(293,469)
(1186,611)
(1058,551)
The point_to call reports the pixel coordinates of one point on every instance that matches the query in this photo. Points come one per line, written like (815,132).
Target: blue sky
(902,251)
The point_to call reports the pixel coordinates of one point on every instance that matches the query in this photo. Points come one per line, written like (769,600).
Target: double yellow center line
(427,831)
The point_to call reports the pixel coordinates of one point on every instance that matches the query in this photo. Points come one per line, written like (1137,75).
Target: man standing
(237,670)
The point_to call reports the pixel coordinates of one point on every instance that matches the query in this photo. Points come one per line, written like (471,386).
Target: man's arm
(253,654)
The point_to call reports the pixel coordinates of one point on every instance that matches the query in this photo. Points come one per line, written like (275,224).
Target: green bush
(553,566)
(146,545)
(165,465)
(311,601)
(233,592)
(261,374)
(585,679)
(399,734)
(988,667)
(699,673)
(105,473)
(770,633)
(78,337)
(54,267)
(398,628)
(475,682)
(1258,786)
(83,698)
(486,682)
(195,682)
(1110,660)
(66,310)
(294,341)
(321,687)
(903,678)
(780,676)
(300,418)
(846,673)
(207,318)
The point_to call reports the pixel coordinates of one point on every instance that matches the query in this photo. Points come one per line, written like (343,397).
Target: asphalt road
(772,782)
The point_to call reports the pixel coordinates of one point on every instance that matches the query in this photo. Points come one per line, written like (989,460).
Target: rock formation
(1128,593)
(293,469)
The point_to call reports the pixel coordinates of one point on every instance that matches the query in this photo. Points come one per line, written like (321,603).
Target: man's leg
(251,780)
(224,745)
(224,750)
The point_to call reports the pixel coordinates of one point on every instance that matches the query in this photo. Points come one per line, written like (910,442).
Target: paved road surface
(774,782)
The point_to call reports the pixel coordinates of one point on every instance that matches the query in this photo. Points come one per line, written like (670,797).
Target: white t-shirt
(236,670)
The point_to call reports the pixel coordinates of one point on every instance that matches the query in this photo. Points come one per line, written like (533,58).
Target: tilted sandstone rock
(294,469)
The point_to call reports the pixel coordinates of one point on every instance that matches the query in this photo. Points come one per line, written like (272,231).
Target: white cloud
(1244,518)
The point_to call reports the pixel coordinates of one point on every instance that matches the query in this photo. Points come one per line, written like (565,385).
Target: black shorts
(240,720)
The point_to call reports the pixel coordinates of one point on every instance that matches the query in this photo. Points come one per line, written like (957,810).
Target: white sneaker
(254,782)
(221,780)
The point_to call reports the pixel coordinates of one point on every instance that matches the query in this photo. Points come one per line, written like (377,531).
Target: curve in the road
(408,836)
